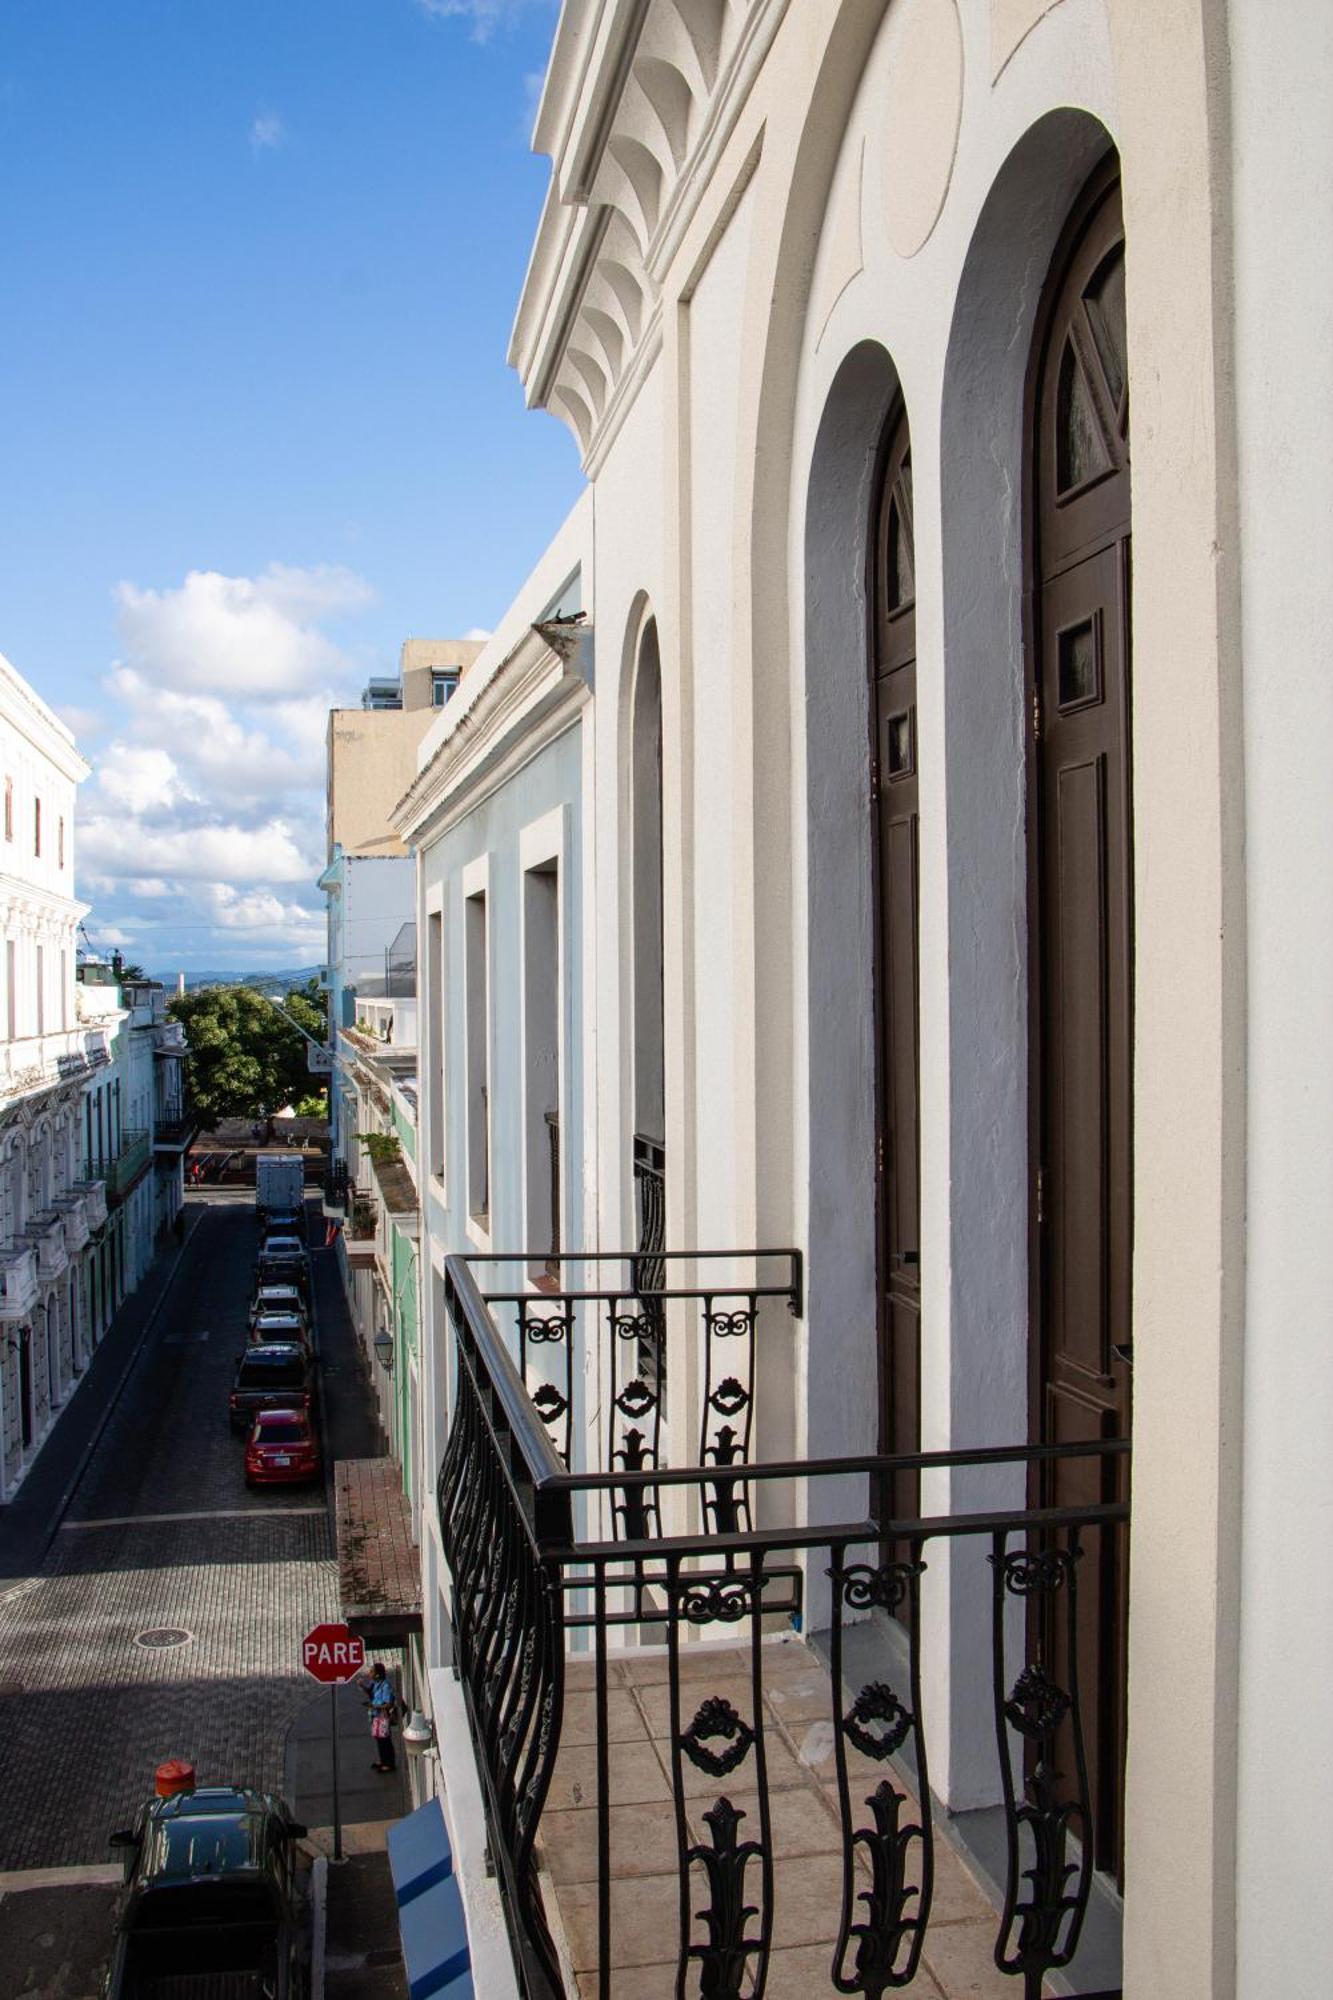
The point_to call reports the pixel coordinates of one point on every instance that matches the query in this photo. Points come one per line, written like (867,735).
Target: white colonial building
(922,891)
(49,1212)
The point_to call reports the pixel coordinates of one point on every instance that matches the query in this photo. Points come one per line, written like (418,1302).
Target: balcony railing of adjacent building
(549,1564)
(361,1238)
(335,1190)
(18,1283)
(94,1197)
(176,1127)
(45,1237)
(60,1055)
(120,1172)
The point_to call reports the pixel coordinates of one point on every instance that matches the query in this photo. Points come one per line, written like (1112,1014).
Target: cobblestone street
(163,1537)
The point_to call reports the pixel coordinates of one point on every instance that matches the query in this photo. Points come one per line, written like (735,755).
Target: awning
(430,1907)
(379,1567)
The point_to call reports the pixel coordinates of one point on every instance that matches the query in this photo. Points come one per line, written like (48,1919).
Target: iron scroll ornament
(1040,1927)
(730,1959)
(881,1929)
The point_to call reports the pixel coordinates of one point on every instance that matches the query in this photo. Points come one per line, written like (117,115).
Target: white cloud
(240,635)
(220,853)
(260,909)
(267,132)
(201,829)
(485,15)
(114,936)
(476,632)
(141,780)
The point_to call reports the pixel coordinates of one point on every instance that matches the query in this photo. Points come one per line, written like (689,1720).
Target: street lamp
(383,1346)
(418,1734)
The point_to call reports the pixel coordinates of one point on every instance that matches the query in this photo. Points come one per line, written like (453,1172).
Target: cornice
(532,697)
(21,705)
(641,99)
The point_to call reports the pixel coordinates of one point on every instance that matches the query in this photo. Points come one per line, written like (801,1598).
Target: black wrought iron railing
(649,1275)
(716,1306)
(547,1565)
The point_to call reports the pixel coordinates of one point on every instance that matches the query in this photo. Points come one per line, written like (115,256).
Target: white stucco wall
(1284,326)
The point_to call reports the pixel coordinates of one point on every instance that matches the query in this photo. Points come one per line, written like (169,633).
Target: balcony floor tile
(803,1803)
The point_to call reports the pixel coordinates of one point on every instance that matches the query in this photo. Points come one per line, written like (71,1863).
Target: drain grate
(160,1638)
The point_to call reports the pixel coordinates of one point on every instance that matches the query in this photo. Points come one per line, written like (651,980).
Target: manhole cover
(159,1638)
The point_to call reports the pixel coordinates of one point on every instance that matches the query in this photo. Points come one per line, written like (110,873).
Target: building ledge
(379,1568)
(399,1192)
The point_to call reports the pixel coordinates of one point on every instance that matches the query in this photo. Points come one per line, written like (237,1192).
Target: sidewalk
(364,1960)
(30,1520)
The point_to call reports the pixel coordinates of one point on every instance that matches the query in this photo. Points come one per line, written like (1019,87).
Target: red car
(281,1450)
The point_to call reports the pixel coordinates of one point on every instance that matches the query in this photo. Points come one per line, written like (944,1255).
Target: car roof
(220,1830)
(280,1318)
(282,1416)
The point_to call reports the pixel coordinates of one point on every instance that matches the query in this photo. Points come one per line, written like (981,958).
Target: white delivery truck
(279,1184)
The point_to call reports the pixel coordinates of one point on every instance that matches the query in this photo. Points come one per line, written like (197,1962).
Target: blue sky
(260,262)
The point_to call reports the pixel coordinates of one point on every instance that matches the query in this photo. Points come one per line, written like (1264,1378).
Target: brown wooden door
(894,766)
(1084,936)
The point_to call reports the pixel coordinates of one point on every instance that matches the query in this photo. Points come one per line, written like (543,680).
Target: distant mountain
(264,982)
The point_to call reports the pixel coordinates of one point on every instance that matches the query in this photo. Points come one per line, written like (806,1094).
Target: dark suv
(273,1375)
(216,1900)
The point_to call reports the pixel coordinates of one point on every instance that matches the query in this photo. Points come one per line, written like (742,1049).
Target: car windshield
(289,1432)
(194,1846)
(271,1371)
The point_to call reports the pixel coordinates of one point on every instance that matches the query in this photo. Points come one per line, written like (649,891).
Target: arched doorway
(1082,929)
(893,783)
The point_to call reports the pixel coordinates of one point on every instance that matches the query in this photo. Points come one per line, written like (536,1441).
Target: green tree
(245,1059)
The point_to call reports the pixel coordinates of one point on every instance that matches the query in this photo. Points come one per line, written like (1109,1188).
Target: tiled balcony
(805,1827)
(681,1798)
(18,1283)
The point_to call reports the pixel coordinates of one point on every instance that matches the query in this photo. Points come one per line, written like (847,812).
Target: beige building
(372,750)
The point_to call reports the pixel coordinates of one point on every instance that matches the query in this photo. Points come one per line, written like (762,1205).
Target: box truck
(279,1184)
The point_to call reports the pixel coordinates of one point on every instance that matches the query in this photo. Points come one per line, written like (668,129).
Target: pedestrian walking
(379,1691)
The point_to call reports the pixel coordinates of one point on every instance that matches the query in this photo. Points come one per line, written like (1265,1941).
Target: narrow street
(166,1617)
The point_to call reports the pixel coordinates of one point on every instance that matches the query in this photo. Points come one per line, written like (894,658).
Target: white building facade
(951,900)
(50,1210)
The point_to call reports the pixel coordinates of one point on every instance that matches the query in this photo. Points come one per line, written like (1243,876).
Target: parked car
(282,1243)
(292,1327)
(216,1899)
(284,1222)
(279,1299)
(282,1449)
(269,1377)
(284,1270)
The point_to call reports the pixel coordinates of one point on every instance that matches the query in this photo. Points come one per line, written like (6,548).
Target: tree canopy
(245,1059)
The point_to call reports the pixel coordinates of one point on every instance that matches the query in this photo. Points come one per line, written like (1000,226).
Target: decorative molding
(533,696)
(641,98)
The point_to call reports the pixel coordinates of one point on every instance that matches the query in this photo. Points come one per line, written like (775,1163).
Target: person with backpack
(383,1700)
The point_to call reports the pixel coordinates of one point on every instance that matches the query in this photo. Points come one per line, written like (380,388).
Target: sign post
(333,1655)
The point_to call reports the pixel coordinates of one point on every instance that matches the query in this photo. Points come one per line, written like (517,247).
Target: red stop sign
(332,1653)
